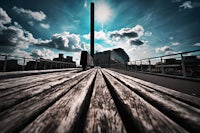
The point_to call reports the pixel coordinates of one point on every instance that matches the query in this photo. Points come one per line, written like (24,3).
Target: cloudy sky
(144,28)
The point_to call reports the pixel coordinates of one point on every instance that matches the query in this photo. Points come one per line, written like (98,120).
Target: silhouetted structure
(92,29)
(11,65)
(111,57)
(61,58)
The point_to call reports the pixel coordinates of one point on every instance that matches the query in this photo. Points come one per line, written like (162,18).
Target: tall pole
(92,30)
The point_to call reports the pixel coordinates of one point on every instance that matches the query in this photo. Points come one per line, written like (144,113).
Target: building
(111,58)
(61,58)
(57,63)
(11,65)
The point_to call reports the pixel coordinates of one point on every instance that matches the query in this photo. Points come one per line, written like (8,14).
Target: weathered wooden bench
(97,100)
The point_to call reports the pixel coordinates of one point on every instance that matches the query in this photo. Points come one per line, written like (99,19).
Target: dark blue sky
(144,28)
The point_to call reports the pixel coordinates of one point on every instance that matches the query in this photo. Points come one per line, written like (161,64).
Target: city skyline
(142,28)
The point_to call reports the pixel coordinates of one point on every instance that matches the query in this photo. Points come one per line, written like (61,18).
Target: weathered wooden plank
(20,96)
(19,116)
(191,100)
(183,114)
(65,113)
(102,116)
(20,84)
(13,82)
(142,116)
(17,74)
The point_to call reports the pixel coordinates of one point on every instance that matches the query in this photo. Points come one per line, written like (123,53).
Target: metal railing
(184,64)
(16,63)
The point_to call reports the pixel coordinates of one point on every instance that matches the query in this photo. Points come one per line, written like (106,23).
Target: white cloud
(134,32)
(186,5)
(36,15)
(76,57)
(44,53)
(30,23)
(189,5)
(99,48)
(171,52)
(14,37)
(142,52)
(175,43)
(85,3)
(45,26)
(197,44)
(163,49)
(148,33)
(21,53)
(171,38)
(4,18)
(64,41)
(175,1)
(99,35)
(131,35)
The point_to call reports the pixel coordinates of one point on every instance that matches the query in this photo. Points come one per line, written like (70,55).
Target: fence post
(131,66)
(162,67)
(183,66)
(44,65)
(149,65)
(23,64)
(36,64)
(5,63)
(135,66)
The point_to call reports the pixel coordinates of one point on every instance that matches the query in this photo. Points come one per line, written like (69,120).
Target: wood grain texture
(144,117)
(93,101)
(62,115)
(17,117)
(191,100)
(27,83)
(182,113)
(23,93)
(103,116)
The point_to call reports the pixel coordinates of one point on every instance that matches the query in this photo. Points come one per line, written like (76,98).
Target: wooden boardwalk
(93,101)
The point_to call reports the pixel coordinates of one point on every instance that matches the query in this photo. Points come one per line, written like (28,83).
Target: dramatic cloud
(197,44)
(163,49)
(131,35)
(99,35)
(45,26)
(44,53)
(14,36)
(148,33)
(30,23)
(189,5)
(171,38)
(4,18)
(136,42)
(36,15)
(85,3)
(135,32)
(64,41)
(171,52)
(21,53)
(175,43)
(186,5)
(175,1)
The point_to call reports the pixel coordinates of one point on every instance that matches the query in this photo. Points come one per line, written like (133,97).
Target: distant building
(11,65)
(111,57)
(59,62)
(61,58)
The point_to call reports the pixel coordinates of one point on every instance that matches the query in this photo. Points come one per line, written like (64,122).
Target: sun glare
(102,12)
